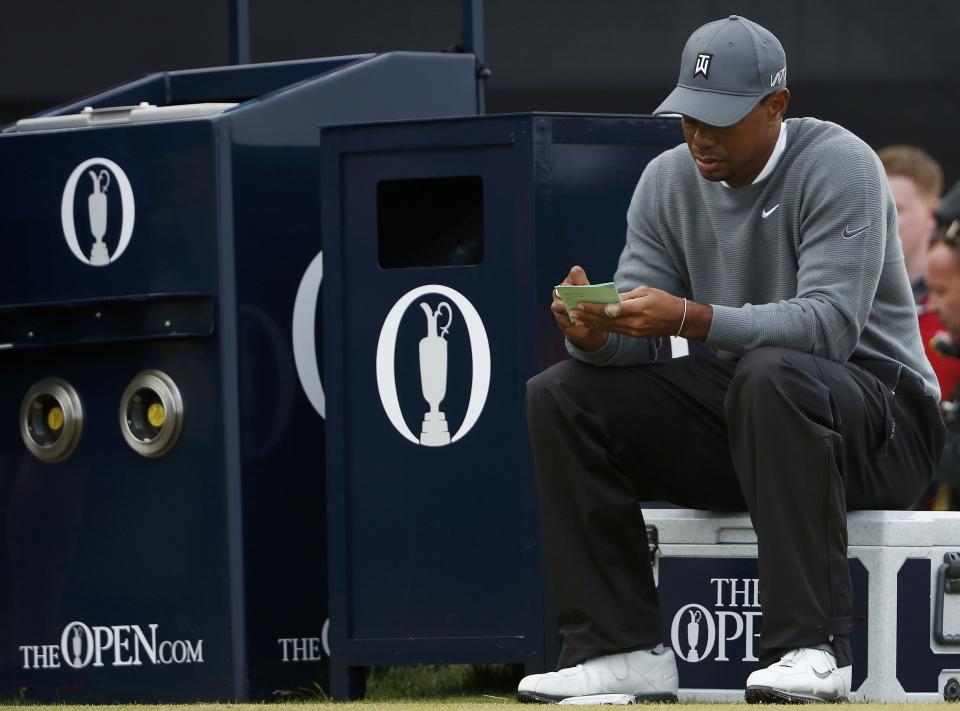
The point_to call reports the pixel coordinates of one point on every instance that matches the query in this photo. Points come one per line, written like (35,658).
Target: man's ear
(777,104)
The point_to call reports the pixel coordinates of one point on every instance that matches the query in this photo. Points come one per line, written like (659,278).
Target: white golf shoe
(648,675)
(802,675)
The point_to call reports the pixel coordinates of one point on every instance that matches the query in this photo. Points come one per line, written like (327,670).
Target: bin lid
(865,528)
(113,115)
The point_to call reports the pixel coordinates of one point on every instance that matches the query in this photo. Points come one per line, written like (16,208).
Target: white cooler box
(906,650)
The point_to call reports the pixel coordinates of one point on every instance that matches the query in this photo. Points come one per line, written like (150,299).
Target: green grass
(458,704)
(453,686)
(424,688)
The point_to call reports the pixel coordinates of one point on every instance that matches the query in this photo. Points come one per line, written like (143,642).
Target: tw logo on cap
(703,65)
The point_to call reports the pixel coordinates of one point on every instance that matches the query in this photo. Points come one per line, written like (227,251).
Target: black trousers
(795,439)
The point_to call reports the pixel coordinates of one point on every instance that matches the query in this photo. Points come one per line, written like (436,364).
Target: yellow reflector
(156,414)
(55,419)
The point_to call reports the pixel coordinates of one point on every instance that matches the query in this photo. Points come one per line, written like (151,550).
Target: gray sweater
(807,258)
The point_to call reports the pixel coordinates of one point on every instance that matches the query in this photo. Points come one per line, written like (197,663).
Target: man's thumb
(578,276)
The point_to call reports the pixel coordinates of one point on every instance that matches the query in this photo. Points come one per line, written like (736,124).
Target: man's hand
(580,335)
(646,312)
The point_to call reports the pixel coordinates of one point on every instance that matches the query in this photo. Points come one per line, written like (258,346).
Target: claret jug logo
(726,629)
(82,646)
(97,211)
(445,315)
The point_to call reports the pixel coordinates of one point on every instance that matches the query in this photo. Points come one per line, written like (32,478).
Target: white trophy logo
(97,207)
(76,646)
(434,364)
(693,635)
(99,170)
(433,376)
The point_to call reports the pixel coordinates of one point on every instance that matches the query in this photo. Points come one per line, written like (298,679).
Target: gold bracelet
(684,319)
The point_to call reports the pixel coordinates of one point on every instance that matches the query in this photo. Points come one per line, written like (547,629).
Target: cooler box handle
(948,583)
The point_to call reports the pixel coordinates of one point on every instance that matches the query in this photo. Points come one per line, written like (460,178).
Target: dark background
(886,69)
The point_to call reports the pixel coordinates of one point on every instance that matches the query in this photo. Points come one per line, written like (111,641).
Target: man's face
(737,153)
(943,280)
(914,214)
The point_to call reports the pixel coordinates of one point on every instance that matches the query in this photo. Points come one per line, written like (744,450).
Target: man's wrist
(696,325)
(594,341)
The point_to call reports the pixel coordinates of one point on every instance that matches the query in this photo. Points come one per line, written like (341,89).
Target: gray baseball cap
(726,68)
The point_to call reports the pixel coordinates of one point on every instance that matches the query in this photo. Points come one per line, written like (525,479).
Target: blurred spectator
(943,281)
(917,181)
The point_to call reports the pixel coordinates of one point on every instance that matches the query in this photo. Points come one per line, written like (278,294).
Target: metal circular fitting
(151,413)
(51,420)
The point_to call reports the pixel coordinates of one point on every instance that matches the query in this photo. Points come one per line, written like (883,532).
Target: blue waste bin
(444,239)
(162,528)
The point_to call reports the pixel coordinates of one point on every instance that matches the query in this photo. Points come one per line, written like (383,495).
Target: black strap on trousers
(795,439)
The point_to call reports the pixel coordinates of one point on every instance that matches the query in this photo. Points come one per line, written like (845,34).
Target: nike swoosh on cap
(848,233)
(766,213)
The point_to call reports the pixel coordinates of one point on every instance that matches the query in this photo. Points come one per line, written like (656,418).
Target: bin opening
(430,222)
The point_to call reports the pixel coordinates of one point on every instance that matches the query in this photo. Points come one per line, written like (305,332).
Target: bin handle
(951,563)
